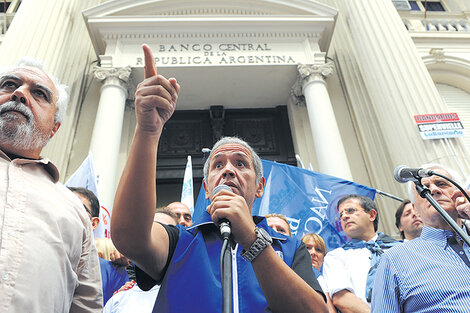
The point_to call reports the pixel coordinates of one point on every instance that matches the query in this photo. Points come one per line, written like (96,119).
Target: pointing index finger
(149,69)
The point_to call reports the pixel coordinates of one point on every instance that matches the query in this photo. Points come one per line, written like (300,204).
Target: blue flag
(307,199)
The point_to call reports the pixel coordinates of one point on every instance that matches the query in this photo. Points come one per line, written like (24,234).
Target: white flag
(85,177)
(187,191)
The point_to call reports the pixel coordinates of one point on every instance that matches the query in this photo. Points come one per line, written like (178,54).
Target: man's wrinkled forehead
(37,75)
(231,148)
(435,177)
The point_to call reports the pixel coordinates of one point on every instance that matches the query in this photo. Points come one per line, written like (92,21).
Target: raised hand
(155,97)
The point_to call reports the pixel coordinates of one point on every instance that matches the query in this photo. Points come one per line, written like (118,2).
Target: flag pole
(382,193)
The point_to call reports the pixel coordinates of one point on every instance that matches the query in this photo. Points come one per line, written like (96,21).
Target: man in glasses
(90,203)
(349,271)
(113,268)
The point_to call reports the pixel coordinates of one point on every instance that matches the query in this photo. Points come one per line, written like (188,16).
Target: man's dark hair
(366,203)
(398,215)
(94,203)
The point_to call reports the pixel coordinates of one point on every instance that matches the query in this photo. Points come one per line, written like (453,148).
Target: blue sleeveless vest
(192,280)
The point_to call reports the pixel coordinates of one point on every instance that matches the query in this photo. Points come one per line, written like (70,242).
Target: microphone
(403,174)
(224,224)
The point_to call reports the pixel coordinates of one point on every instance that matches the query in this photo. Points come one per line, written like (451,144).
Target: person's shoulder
(403,251)
(70,197)
(70,203)
(386,238)
(335,253)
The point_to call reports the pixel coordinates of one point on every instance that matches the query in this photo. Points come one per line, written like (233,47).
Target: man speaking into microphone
(270,272)
(432,272)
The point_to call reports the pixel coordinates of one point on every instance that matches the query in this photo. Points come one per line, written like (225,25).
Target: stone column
(106,137)
(386,83)
(329,149)
(53,31)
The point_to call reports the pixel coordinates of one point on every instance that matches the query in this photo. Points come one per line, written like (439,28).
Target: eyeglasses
(88,210)
(348,211)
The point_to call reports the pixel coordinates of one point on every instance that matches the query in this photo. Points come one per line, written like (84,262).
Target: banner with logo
(307,199)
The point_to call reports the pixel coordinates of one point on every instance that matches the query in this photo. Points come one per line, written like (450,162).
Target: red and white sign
(440,125)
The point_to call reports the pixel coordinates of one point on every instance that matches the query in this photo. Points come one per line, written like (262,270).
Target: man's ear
(205,189)
(260,188)
(95,221)
(372,214)
(54,129)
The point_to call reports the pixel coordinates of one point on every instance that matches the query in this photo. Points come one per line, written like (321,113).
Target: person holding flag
(186,261)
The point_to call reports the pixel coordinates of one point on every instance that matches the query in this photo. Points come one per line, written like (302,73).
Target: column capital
(118,76)
(309,72)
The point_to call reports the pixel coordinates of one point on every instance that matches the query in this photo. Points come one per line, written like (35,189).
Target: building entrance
(189,131)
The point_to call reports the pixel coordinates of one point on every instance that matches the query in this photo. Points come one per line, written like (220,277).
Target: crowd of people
(50,262)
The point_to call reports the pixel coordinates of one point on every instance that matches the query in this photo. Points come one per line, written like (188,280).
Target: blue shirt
(113,277)
(422,275)
(192,280)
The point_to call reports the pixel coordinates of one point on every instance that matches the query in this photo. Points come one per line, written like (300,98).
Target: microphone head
(219,188)
(397,174)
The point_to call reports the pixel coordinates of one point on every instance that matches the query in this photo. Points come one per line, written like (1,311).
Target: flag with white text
(308,199)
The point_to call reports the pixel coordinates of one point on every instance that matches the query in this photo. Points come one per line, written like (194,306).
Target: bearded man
(48,261)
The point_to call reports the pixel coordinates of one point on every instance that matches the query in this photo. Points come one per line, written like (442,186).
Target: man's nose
(19,96)
(434,190)
(228,170)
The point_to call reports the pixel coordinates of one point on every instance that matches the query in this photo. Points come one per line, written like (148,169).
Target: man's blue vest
(192,280)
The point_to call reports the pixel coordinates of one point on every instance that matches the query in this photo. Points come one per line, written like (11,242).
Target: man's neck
(367,237)
(442,224)
(13,156)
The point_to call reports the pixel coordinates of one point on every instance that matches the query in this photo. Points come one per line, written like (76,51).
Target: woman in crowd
(317,249)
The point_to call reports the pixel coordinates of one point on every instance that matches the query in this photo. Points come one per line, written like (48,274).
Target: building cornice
(205,19)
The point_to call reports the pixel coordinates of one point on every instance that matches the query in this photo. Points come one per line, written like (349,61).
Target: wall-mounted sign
(226,53)
(439,126)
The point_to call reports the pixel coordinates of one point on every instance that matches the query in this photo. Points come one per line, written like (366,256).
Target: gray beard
(19,134)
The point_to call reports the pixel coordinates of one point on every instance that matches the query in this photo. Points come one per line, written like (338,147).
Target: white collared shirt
(347,269)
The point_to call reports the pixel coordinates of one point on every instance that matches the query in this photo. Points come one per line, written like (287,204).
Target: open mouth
(231,184)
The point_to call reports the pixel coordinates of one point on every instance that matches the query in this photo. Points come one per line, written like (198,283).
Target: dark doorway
(188,132)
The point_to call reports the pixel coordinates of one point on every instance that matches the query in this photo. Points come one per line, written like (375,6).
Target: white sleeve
(335,273)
